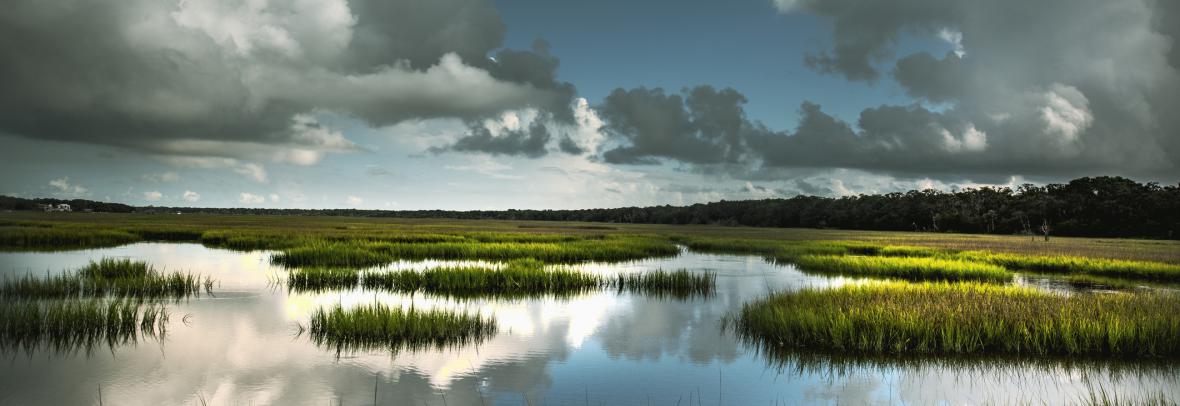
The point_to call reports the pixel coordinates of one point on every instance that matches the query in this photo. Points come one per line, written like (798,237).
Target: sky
(550,104)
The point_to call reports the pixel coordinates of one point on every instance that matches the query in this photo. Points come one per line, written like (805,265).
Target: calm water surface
(241,346)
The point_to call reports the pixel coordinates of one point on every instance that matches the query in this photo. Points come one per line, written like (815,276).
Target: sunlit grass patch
(361,254)
(108,277)
(910,268)
(71,325)
(377,326)
(962,318)
(1113,268)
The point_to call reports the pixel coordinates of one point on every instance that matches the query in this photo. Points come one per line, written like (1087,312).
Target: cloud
(152,196)
(1052,97)
(377,171)
(160,177)
(1014,95)
(703,126)
(250,198)
(240,80)
(353,201)
(191,196)
(67,189)
(510,135)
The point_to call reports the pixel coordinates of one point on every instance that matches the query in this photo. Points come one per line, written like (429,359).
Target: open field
(50,231)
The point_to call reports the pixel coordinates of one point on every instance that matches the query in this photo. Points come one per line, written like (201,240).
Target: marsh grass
(53,239)
(108,277)
(1113,268)
(377,326)
(72,325)
(965,318)
(909,268)
(516,278)
(355,254)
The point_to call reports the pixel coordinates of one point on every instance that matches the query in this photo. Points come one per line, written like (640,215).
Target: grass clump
(379,326)
(964,318)
(366,254)
(1114,268)
(522,277)
(909,268)
(680,283)
(318,279)
(108,277)
(519,277)
(70,325)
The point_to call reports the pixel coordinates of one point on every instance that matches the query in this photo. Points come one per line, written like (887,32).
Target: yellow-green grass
(909,268)
(71,325)
(965,318)
(277,232)
(377,326)
(107,277)
(355,254)
(1144,270)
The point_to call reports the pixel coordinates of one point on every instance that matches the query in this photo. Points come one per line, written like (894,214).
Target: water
(241,347)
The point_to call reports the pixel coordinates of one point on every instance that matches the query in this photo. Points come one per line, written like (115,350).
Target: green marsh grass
(1114,268)
(516,278)
(52,239)
(965,318)
(909,268)
(108,277)
(377,326)
(339,254)
(71,325)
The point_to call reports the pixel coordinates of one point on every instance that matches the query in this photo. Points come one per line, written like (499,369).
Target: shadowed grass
(52,239)
(909,268)
(108,277)
(320,279)
(377,326)
(71,325)
(964,318)
(517,278)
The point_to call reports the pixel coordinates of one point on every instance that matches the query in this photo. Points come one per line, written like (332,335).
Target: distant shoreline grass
(107,277)
(377,326)
(908,268)
(965,318)
(358,254)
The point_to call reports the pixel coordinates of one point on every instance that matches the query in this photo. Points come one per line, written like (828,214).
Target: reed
(909,268)
(965,318)
(72,325)
(108,277)
(377,326)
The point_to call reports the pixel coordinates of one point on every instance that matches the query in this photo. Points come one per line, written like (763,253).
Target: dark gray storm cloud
(704,126)
(529,142)
(1055,88)
(218,78)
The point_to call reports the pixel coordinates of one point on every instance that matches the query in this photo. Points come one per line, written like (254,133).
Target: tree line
(1092,206)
